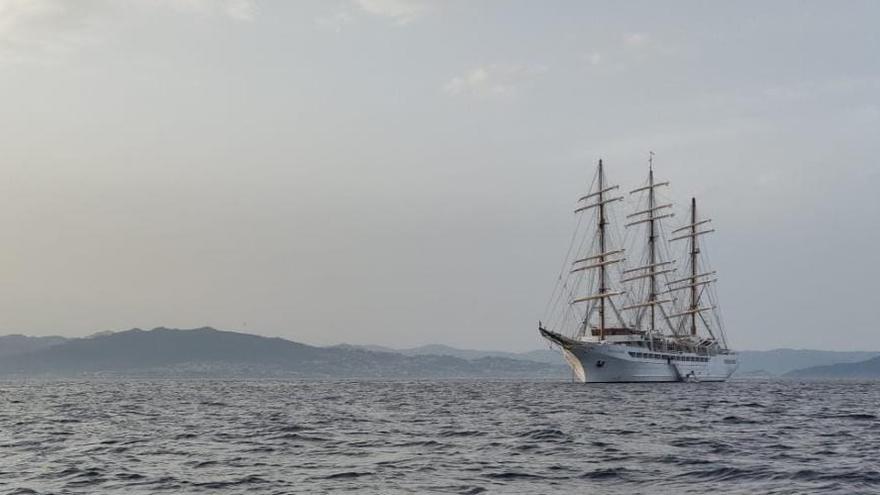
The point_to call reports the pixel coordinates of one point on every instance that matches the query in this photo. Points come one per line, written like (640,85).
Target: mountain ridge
(772,362)
(551,356)
(208,351)
(869,368)
(17,343)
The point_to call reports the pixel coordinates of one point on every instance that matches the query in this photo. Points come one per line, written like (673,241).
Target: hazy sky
(401,173)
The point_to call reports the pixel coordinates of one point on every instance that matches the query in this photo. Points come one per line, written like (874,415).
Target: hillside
(549,356)
(869,368)
(774,362)
(782,361)
(18,344)
(210,352)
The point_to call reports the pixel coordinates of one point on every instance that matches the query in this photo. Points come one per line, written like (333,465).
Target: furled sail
(620,279)
(585,299)
(645,281)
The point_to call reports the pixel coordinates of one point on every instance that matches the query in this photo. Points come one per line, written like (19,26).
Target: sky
(403,173)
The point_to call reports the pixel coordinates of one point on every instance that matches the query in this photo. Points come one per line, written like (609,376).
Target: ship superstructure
(624,309)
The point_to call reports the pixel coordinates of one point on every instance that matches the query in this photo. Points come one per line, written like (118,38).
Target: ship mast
(651,238)
(602,269)
(695,281)
(655,265)
(606,255)
(695,250)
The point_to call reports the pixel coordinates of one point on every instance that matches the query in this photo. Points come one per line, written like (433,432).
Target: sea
(466,437)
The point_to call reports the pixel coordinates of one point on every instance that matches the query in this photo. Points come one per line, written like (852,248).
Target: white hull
(604,362)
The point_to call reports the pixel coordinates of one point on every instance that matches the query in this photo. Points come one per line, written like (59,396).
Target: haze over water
(83,437)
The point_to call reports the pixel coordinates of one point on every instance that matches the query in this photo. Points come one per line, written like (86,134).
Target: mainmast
(654,263)
(652,248)
(695,250)
(602,268)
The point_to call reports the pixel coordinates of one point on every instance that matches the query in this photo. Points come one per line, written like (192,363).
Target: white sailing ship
(623,310)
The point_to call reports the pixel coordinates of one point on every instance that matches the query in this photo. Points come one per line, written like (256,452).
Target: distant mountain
(548,356)
(869,368)
(775,362)
(782,361)
(210,352)
(18,344)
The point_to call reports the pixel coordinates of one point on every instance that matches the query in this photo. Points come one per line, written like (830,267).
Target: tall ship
(635,301)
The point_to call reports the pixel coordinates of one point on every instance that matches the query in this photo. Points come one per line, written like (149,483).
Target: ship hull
(616,363)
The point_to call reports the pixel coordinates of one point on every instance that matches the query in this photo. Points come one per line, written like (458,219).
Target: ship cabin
(616,335)
(640,338)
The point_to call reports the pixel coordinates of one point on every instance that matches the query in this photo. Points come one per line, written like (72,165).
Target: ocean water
(255,437)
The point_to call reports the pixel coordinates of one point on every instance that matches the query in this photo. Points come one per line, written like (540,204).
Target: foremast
(603,276)
(600,300)
(694,252)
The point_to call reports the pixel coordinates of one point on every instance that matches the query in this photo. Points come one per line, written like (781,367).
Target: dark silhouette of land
(869,368)
(210,352)
(214,353)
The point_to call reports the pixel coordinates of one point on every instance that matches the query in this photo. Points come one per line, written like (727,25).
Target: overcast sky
(402,173)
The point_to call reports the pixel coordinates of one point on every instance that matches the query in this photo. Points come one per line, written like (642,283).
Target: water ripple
(273,437)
